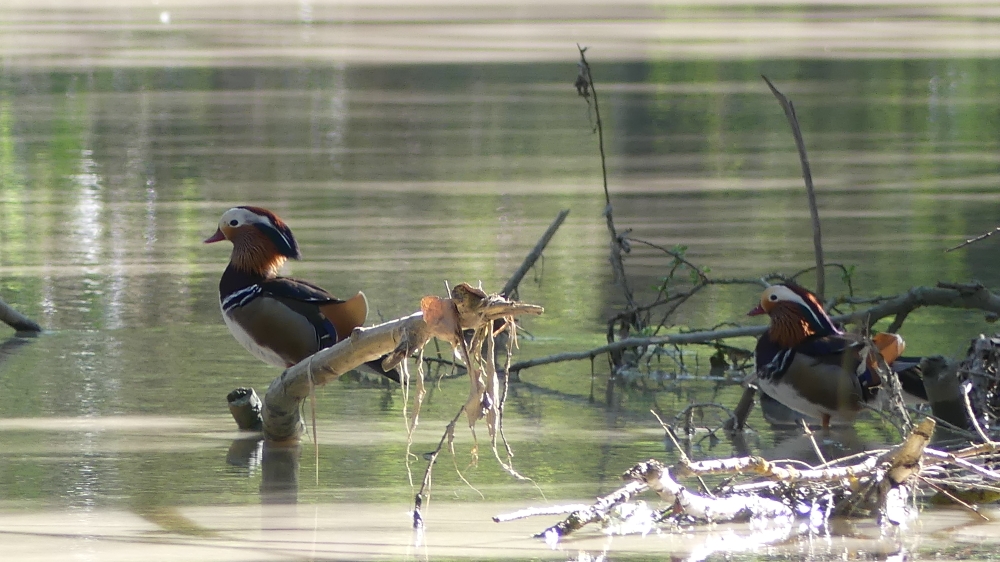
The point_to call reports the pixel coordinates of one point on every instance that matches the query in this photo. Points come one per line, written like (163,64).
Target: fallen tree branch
(710,509)
(592,513)
(468,308)
(685,338)
(949,295)
(880,482)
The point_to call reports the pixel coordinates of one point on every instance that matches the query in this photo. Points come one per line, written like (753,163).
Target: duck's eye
(772,297)
(234,222)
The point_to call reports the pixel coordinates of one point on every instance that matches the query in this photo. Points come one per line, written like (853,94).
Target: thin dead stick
(418,501)
(974,240)
(786,105)
(972,416)
(585,88)
(953,498)
(535,511)
(812,438)
(944,457)
(683,456)
(532,257)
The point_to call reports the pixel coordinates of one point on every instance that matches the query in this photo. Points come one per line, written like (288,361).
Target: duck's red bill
(217,237)
(757,311)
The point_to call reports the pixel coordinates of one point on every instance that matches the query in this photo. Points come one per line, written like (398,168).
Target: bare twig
(812,439)
(954,498)
(585,87)
(529,260)
(786,105)
(974,240)
(447,436)
(972,416)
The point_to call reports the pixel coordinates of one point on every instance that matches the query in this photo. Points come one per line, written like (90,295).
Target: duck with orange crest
(280,320)
(809,364)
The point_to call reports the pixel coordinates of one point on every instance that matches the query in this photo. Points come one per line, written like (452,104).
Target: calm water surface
(409,146)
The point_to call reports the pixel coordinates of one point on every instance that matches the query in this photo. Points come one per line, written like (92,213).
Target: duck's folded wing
(318,305)
(297,290)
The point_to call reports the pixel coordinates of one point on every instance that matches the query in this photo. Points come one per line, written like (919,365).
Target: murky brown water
(408,145)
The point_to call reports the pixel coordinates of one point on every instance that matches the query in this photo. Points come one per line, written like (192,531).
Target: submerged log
(18,321)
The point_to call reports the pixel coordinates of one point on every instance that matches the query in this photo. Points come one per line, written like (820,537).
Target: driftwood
(879,481)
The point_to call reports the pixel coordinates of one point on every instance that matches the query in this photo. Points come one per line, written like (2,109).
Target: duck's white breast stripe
(241,297)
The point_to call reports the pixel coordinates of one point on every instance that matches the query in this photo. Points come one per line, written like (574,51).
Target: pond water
(410,145)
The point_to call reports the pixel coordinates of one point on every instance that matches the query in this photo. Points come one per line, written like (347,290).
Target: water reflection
(115,158)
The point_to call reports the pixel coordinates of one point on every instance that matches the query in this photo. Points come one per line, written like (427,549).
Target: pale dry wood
(710,509)
(593,513)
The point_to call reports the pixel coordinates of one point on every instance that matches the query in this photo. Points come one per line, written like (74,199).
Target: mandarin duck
(279,320)
(809,364)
